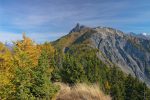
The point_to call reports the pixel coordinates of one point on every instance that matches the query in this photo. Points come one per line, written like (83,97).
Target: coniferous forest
(29,71)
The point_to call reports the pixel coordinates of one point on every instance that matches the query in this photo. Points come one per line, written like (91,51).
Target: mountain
(145,34)
(130,52)
(9,46)
(141,35)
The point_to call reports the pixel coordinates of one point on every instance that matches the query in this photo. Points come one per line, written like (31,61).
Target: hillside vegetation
(29,71)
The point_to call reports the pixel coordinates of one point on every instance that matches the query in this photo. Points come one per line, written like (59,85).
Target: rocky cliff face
(129,52)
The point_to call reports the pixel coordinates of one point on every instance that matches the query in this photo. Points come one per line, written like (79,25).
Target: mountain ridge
(130,53)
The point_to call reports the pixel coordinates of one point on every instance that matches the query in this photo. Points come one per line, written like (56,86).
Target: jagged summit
(78,27)
(106,31)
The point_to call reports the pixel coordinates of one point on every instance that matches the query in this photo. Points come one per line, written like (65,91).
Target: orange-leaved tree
(26,47)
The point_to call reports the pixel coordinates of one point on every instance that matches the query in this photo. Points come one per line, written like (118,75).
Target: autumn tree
(28,47)
(32,82)
(5,69)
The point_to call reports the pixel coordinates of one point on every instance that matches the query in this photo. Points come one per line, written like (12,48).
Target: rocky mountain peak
(78,28)
(104,31)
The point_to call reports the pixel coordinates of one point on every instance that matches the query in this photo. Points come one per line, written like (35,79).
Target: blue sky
(47,20)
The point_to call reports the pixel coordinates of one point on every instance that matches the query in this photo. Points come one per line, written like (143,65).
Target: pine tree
(72,71)
(22,83)
(42,87)
(22,79)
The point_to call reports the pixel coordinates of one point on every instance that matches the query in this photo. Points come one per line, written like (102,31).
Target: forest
(29,71)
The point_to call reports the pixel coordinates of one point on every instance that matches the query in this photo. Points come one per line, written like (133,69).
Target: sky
(48,20)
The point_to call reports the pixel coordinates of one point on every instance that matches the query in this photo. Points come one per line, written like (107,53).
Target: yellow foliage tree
(5,65)
(29,48)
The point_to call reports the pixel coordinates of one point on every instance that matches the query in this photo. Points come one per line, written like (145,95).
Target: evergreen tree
(22,83)
(117,84)
(42,87)
(22,79)
(72,71)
